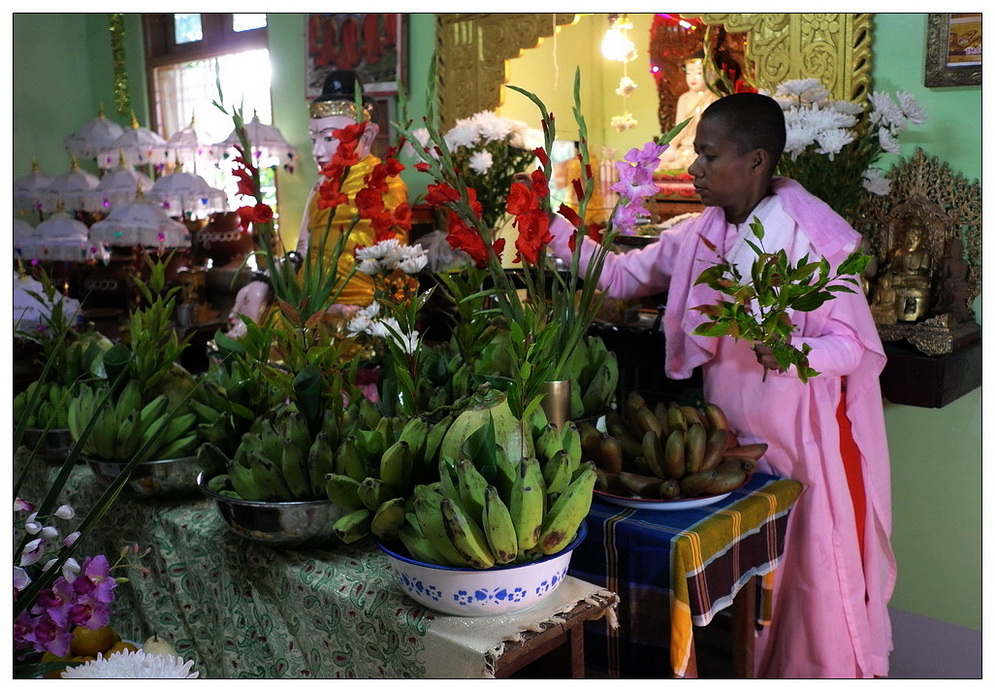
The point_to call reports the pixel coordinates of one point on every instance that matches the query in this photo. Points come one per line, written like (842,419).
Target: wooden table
(674,570)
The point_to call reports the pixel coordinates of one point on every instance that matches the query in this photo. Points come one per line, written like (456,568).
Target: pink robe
(830,606)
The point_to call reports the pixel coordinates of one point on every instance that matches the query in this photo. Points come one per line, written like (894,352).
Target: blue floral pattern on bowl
(466,592)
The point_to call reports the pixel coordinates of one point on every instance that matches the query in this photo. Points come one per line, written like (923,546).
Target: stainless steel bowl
(164,478)
(53,445)
(295,523)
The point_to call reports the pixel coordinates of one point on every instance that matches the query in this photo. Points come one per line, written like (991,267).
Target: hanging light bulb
(616,44)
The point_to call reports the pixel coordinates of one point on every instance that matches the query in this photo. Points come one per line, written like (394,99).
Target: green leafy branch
(758,309)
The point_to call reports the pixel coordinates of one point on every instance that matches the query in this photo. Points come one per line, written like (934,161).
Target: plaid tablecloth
(675,569)
(241,609)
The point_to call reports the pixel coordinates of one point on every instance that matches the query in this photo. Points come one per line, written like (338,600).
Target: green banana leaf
(307,394)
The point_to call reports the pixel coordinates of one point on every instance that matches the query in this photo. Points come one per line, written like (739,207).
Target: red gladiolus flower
(520,199)
(475,204)
(438,195)
(330,194)
(540,186)
(541,154)
(533,235)
(369,202)
(423,167)
(461,237)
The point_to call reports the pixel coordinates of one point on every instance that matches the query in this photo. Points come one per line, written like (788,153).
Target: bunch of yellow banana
(465,519)
(51,405)
(669,451)
(127,427)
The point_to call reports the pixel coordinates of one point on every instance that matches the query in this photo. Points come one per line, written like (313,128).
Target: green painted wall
(63,71)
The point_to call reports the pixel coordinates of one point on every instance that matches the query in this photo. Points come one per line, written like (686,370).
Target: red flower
(440,194)
(330,194)
(541,154)
(533,235)
(462,237)
(521,199)
(423,167)
(539,184)
(260,213)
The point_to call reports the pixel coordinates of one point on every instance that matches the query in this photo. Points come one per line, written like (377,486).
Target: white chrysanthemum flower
(885,111)
(875,182)
(481,161)
(368,267)
(911,107)
(527,138)
(363,319)
(408,258)
(460,136)
(832,141)
(888,141)
(798,87)
(848,107)
(134,664)
(378,250)
(493,128)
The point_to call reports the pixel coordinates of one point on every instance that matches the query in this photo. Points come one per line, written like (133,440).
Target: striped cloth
(675,569)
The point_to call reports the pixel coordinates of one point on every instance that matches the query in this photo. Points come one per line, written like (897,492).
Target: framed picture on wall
(953,50)
(371,45)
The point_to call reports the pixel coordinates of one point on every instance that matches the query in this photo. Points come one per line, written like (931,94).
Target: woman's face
(722,173)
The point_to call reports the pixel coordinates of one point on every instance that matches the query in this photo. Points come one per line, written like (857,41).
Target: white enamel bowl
(501,590)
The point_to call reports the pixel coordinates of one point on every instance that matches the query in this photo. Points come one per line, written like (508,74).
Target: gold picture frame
(950,40)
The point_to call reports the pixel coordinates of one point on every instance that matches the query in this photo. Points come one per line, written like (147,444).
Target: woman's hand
(766,358)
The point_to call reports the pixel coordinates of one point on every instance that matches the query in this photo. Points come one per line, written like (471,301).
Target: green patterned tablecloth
(242,609)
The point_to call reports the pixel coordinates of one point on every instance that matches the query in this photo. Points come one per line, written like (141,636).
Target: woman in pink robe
(830,615)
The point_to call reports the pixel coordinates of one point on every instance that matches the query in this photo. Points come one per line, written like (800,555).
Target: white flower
(911,107)
(481,161)
(32,526)
(362,320)
(494,128)
(875,182)
(32,552)
(889,142)
(410,259)
(831,141)
(885,111)
(460,136)
(368,266)
(22,505)
(21,579)
(65,512)
(133,664)
(49,533)
(810,90)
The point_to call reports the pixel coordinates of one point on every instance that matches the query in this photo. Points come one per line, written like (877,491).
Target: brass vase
(556,402)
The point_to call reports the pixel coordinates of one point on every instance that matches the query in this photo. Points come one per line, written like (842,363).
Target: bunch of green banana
(378,472)
(466,519)
(593,373)
(669,451)
(277,460)
(127,427)
(51,409)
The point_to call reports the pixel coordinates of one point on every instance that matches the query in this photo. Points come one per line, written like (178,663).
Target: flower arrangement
(832,145)
(545,328)
(488,150)
(311,370)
